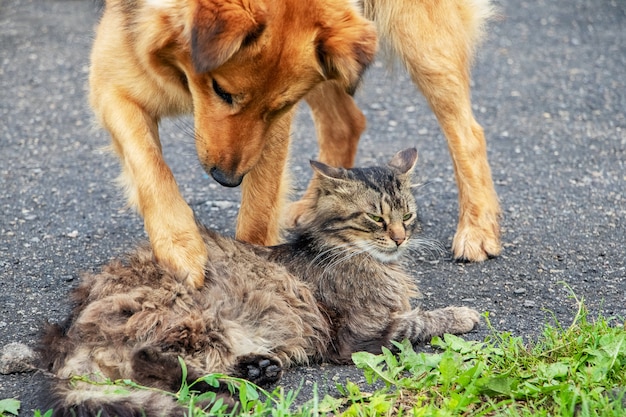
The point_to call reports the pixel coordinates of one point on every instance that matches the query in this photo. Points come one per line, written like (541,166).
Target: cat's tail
(420,326)
(78,385)
(91,395)
(71,399)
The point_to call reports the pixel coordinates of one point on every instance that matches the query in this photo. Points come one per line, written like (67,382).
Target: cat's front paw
(261,369)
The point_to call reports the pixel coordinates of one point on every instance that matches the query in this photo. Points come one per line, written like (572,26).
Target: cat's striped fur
(335,288)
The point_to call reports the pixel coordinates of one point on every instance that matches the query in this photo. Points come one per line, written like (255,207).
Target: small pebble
(221,204)
(16,358)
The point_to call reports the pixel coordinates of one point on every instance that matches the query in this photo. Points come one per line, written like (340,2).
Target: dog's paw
(476,244)
(185,254)
(263,370)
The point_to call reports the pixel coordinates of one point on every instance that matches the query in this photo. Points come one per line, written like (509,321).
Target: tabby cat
(335,288)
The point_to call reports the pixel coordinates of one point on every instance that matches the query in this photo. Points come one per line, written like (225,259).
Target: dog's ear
(346,45)
(221,28)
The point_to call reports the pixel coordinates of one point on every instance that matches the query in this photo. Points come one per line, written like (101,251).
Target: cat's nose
(397,234)
(398,238)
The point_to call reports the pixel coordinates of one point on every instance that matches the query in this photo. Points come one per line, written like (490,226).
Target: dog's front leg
(152,189)
(264,188)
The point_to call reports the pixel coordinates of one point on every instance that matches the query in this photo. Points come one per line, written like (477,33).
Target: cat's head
(366,209)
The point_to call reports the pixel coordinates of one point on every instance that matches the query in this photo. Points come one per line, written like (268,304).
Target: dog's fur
(240,66)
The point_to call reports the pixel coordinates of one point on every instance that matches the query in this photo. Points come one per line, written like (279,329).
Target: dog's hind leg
(435,41)
(338,124)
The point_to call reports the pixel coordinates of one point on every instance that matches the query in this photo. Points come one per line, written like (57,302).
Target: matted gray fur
(336,287)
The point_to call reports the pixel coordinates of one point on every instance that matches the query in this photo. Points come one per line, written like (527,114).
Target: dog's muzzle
(225,179)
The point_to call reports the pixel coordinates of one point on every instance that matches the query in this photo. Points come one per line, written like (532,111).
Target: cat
(336,287)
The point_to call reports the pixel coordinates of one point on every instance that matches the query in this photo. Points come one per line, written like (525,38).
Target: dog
(240,67)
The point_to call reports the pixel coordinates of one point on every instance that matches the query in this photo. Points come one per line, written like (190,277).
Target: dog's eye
(226,97)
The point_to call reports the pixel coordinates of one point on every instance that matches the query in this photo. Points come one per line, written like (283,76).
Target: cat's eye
(374,217)
(407,217)
(226,97)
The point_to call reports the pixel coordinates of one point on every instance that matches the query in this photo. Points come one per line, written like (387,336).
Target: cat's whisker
(325,252)
(339,256)
(339,260)
(419,245)
(328,266)
(336,251)
(421,240)
(369,247)
(331,249)
(419,185)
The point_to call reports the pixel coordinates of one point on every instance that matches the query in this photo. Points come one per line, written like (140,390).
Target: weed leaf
(500,385)
(9,406)
(371,365)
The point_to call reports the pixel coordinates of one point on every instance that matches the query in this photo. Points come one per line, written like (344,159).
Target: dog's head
(250,62)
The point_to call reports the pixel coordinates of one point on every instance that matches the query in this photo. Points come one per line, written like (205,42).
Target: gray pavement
(549,89)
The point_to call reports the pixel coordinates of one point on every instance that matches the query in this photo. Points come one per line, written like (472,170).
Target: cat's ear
(404,161)
(328,171)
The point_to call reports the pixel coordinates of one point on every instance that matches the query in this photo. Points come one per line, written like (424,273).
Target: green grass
(579,370)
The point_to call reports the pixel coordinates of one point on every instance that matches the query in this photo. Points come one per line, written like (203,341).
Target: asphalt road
(549,87)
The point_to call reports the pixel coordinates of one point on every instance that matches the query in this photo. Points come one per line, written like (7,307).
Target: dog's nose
(225,179)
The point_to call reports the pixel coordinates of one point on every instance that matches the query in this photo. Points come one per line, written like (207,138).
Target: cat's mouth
(387,254)
(388,257)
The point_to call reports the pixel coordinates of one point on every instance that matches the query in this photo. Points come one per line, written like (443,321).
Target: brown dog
(240,66)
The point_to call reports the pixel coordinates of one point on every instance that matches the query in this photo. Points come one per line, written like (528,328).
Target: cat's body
(335,288)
